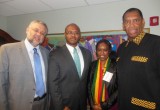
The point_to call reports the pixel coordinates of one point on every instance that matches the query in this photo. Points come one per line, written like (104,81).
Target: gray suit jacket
(17,84)
(65,86)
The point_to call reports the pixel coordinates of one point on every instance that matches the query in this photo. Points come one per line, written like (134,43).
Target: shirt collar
(29,46)
(70,48)
(137,40)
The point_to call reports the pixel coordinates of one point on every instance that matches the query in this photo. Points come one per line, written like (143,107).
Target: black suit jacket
(65,86)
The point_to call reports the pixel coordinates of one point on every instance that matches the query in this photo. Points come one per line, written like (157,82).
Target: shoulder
(113,62)
(113,55)
(84,50)
(58,51)
(10,49)
(93,64)
(11,46)
(87,54)
(152,39)
(123,44)
(44,49)
(153,35)
(121,48)
(149,35)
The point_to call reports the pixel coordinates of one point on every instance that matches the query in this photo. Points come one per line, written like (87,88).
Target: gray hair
(39,22)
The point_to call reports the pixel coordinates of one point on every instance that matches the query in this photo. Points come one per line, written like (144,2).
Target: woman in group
(102,85)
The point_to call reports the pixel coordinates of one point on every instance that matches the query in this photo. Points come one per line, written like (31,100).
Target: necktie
(77,61)
(38,73)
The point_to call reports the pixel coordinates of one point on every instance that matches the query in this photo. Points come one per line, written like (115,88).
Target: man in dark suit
(67,83)
(18,76)
(138,65)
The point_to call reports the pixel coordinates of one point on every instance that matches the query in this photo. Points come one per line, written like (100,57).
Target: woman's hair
(106,42)
(112,54)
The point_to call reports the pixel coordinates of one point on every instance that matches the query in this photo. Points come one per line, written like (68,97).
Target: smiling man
(138,65)
(68,73)
(23,77)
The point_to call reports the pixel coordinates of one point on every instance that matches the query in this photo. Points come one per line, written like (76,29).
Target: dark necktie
(77,61)
(40,90)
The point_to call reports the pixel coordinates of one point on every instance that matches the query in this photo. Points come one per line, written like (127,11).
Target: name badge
(108,76)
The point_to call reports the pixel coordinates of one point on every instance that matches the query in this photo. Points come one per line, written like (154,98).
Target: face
(133,24)
(72,35)
(102,51)
(36,33)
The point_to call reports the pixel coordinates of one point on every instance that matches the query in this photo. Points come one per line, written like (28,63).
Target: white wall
(93,18)
(3,23)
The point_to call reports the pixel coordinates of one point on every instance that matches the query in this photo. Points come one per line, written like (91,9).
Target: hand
(97,107)
(66,108)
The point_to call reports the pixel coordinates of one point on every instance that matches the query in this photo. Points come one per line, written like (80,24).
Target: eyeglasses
(38,31)
(73,33)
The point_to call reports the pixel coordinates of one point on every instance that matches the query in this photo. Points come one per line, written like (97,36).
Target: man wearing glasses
(68,71)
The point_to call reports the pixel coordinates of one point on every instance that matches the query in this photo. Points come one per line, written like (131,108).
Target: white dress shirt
(70,48)
(31,53)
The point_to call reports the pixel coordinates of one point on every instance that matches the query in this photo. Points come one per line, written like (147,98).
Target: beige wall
(92,18)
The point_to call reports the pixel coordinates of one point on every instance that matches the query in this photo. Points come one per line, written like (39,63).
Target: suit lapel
(27,61)
(45,59)
(85,59)
(70,60)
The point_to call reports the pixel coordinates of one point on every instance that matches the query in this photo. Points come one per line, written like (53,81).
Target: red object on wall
(154,21)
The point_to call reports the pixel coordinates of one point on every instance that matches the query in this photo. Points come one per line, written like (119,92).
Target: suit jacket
(65,86)
(111,86)
(17,83)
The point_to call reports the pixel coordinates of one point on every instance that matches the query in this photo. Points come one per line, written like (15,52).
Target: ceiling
(18,7)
